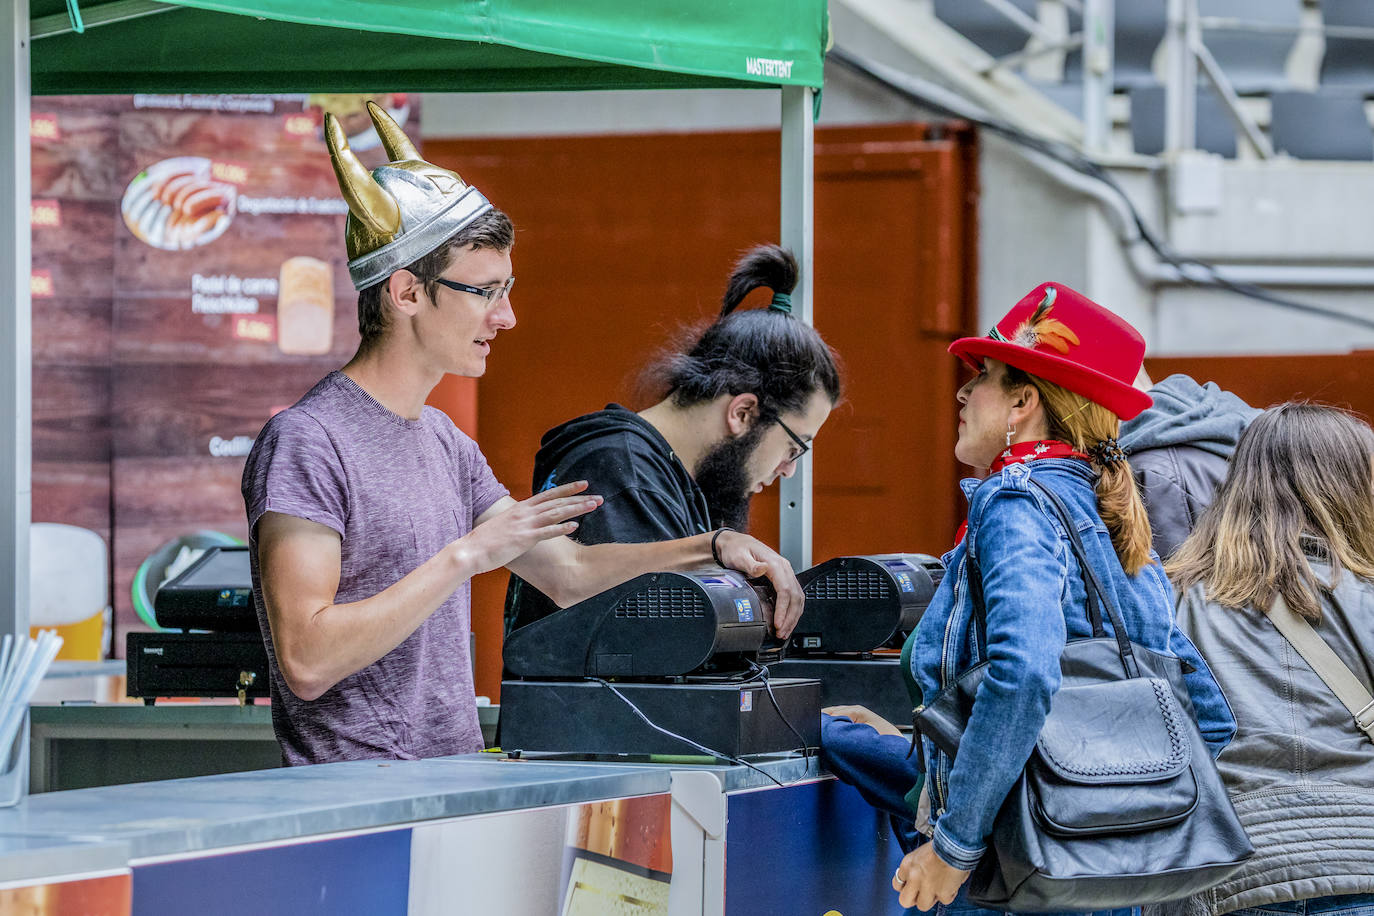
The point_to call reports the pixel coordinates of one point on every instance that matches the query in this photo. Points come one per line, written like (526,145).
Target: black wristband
(715,555)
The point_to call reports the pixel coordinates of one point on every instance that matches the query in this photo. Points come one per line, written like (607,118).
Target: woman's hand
(924,879)
(862,715)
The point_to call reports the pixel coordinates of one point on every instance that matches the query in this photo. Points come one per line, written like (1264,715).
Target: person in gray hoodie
(1180,449)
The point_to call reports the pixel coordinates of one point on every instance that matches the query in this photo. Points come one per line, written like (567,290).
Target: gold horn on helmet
(394,140)
(367,201)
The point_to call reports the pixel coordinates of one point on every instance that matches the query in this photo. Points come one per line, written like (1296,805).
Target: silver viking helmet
(401,211)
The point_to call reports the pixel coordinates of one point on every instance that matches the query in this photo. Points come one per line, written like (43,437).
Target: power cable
(763,674)
(684,739)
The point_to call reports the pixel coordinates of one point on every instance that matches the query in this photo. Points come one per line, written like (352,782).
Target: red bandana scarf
(1022,452)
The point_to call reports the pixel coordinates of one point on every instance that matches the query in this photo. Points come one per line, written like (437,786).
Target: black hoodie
(649,496)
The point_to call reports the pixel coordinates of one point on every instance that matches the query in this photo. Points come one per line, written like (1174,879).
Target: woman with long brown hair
(1053,381)
(1292,524)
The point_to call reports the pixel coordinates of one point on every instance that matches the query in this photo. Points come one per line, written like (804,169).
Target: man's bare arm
(319,643)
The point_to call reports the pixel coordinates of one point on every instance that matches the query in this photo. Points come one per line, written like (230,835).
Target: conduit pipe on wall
(1153,272)
(1148,268)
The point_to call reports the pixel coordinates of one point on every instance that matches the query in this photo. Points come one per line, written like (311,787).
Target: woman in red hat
(1054,380)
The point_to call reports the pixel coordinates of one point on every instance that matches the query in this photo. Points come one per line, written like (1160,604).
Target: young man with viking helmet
(369,513)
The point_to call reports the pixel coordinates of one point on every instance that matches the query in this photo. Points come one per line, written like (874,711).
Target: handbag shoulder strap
(1328,665)
(1092,583)
(1096,595)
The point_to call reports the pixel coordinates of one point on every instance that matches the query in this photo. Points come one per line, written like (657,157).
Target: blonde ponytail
(1092,429)
(1123,512)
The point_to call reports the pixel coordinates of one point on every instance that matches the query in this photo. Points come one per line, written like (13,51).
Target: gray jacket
(1300,773)
(1179,450)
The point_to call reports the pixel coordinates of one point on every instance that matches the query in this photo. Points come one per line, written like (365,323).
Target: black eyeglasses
(802,447)
(492,295)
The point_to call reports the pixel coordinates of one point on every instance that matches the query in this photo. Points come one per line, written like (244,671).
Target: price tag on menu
(262,328)
(41,284)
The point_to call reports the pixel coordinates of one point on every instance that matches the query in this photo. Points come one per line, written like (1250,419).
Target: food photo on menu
(176,204)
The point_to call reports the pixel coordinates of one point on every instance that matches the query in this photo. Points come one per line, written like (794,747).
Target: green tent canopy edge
(232,46)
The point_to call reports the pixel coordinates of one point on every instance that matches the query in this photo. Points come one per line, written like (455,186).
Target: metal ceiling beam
(96,15)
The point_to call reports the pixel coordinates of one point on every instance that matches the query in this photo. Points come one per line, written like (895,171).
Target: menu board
(189,281)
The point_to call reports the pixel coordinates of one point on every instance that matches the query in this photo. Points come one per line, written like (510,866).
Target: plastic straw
(5,655)
(23,662)
(23,654)
(9,685)
(21,682)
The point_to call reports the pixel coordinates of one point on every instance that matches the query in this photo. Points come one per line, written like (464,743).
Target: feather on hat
(1083,347)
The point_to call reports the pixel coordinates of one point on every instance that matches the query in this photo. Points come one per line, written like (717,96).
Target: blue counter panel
(366,875)
(809,850)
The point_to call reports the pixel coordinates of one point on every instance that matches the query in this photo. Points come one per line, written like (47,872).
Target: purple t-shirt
(396,491)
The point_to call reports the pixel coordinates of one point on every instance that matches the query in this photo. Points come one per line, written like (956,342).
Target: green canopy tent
(423,45)
(236,46)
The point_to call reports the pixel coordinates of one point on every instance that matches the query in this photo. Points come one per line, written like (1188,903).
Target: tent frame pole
(16,335)
(92,16)
(798,233)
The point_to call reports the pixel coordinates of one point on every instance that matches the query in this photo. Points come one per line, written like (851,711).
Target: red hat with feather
(1062,336)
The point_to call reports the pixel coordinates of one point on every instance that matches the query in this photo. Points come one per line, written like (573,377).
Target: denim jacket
(1035,597)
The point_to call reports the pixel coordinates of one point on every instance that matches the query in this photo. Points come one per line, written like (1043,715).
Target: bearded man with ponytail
(369,512)
(1053,381)
(738,407)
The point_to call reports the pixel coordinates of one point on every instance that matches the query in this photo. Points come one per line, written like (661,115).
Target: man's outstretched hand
(512,533)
